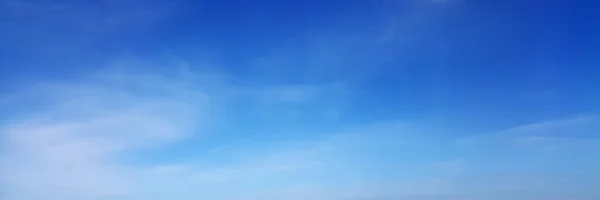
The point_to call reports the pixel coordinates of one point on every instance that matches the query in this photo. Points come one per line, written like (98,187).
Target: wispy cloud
(579,129)
(69,147)
(73,144)
(94,137)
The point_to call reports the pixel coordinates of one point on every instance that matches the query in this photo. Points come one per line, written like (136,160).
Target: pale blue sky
(270,99)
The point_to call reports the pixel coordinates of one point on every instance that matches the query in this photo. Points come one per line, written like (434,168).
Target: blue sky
(268,99)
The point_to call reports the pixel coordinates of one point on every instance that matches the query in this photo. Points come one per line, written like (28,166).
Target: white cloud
(576,130)
(67,140)
(70,136)
(78,154)
(248,177)
(553,126)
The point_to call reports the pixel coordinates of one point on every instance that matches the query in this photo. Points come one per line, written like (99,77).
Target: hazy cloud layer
(295,118)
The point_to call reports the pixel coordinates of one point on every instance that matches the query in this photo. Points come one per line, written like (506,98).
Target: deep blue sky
(391,98)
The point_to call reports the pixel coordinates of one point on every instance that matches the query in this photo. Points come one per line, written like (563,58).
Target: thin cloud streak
(70,148)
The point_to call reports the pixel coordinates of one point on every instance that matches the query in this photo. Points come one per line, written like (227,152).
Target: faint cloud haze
(320,100)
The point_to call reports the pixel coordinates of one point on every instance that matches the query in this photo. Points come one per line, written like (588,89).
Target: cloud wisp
(309,115)
(71,138)
(70,147)
(75,145)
